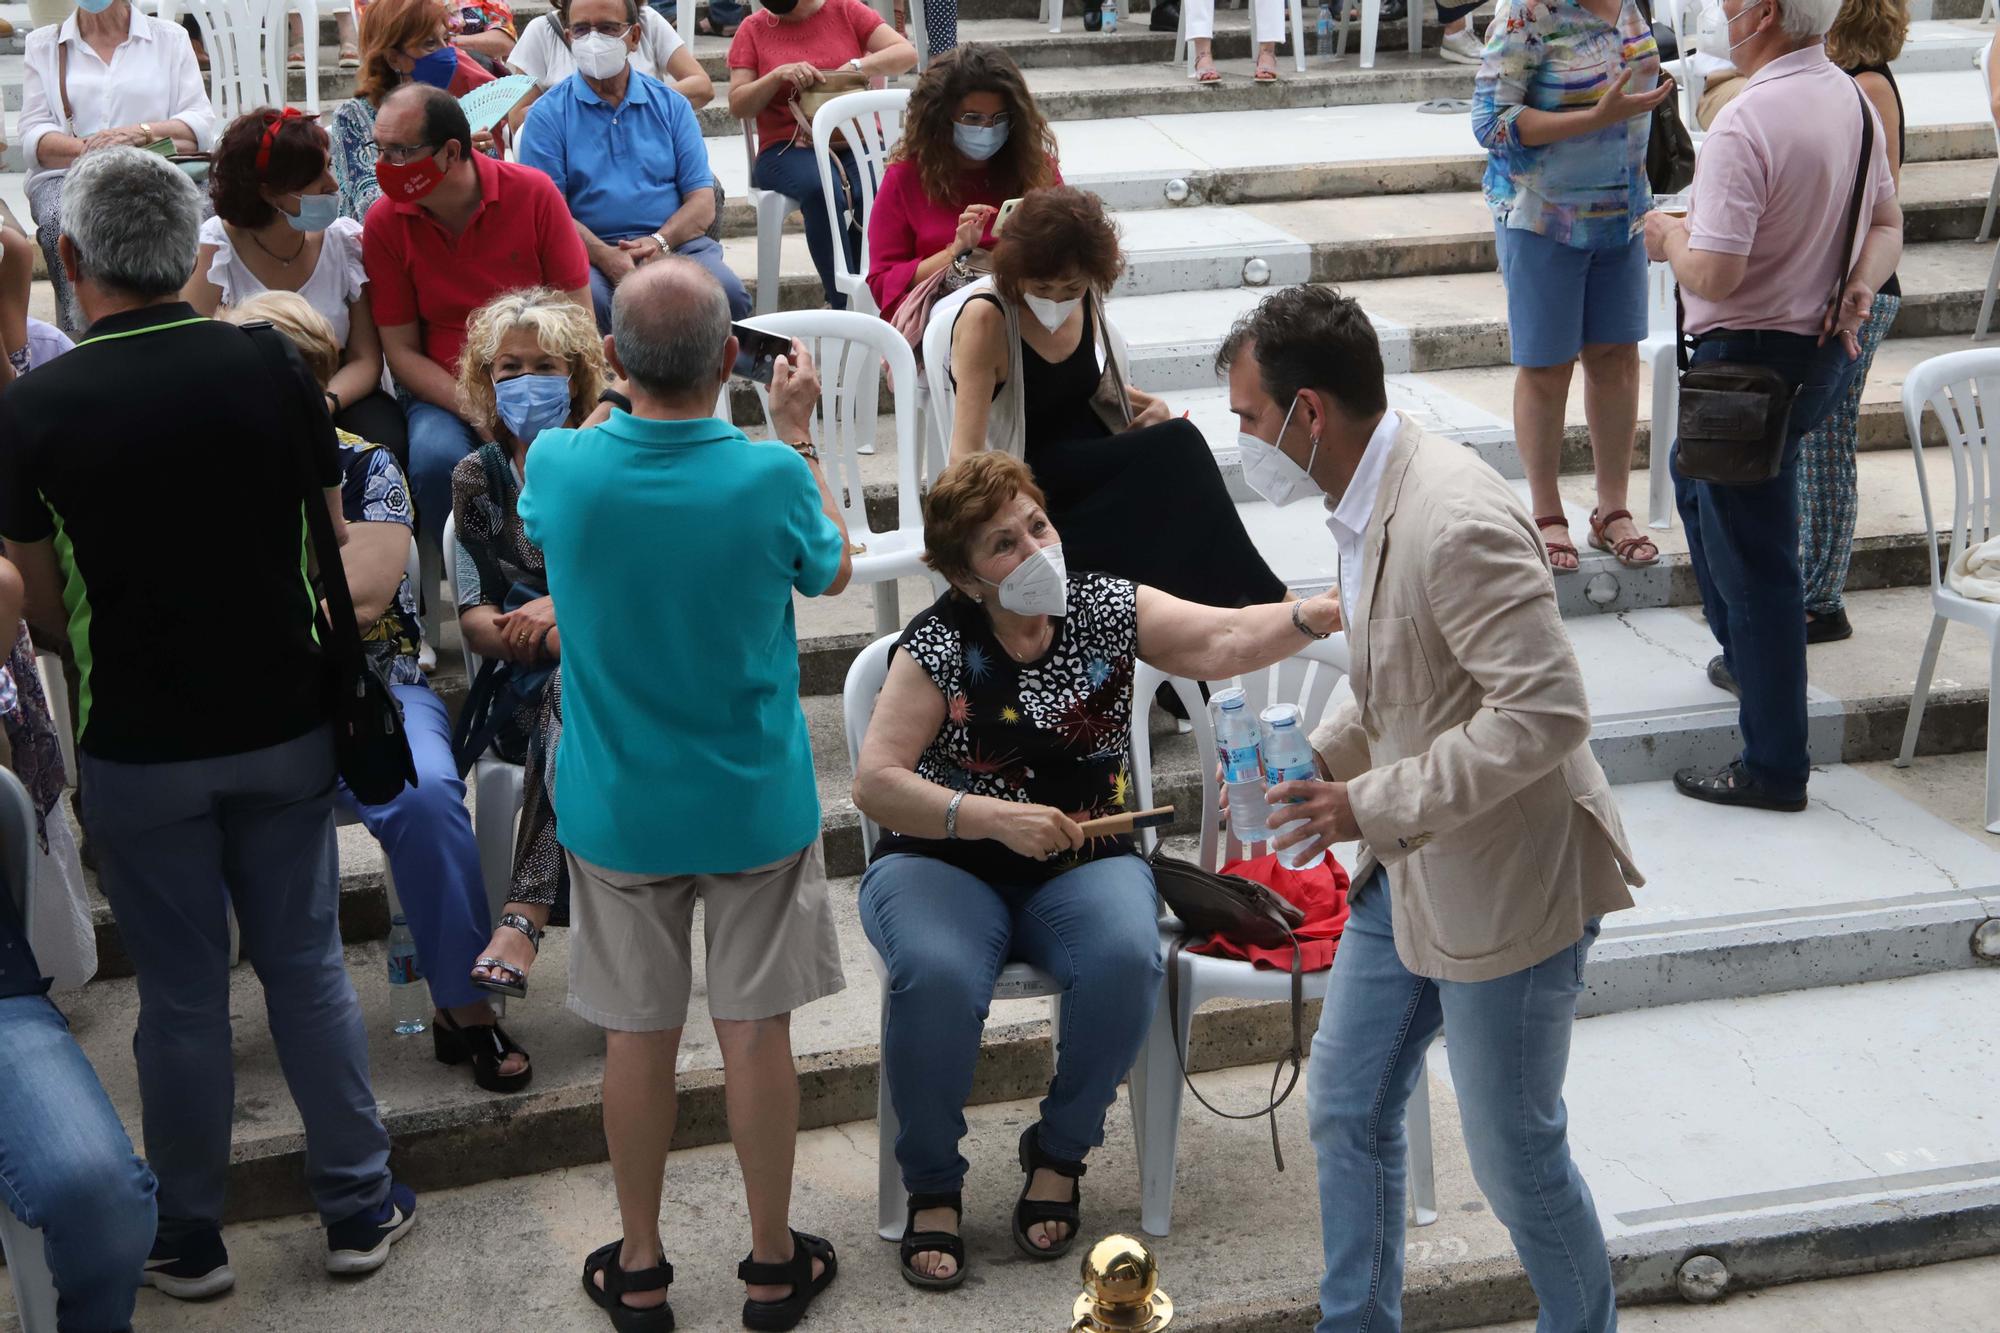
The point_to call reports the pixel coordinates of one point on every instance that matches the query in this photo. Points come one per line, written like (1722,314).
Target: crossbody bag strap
(62,84)
(1292,1057)
(1845,268)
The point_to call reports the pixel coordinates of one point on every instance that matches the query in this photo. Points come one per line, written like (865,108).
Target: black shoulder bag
(1735,415)
(1241,909)
(1669,146)
(370,748)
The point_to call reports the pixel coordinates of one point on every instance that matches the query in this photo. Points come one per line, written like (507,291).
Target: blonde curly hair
(561,327)
(1868,32)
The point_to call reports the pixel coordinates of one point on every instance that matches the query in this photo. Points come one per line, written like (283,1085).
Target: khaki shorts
(769,932)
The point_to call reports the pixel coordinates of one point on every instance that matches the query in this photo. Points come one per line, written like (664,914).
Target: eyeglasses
(401,155)
(977,121)
(579,31)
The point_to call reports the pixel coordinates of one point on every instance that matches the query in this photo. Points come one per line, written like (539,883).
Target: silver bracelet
(951,816)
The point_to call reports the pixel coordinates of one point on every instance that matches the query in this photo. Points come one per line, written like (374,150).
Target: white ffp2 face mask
(1051,315)
(1038,586)
(599,55)
(1270,471)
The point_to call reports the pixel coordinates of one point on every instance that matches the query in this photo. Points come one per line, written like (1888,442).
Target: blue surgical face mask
(93,6)
(438,68)
(316,212)
(531,404)
(979,142)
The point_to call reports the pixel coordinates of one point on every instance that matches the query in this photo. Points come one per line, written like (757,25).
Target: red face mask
(411,181)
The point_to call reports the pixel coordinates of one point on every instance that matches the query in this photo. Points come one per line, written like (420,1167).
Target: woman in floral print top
(1004,722)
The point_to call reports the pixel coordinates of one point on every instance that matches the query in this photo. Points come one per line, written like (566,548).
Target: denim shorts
(1561,299)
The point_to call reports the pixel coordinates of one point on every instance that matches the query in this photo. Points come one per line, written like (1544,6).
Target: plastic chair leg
(1423,1172)
(497,791)
(1666,416)
(1416,18)
(28,1266)
(1921,696)
(770,230)
(430,564)
(1993,742)
(1986,301)
(1298,36)
(889,1212)
(1371,19)
(888,607)
(1156,1092)
(1992,202)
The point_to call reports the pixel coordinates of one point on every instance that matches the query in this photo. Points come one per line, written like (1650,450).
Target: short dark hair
(965,497)
(1311,337)
(1052,234)
(297,158)
(444,118)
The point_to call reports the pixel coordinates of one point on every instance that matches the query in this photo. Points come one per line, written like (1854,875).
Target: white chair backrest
(1687,25)
(1963,389)
(937,382)
(750,151)
(872,125)
(450,546)
(18,844)
(850,349)
(1307,678)
(245,40)
(857,704)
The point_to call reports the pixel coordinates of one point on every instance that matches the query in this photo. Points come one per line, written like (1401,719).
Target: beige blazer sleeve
(1488,592)
(1341,743)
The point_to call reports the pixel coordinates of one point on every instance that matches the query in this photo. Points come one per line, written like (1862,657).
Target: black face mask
(781,7)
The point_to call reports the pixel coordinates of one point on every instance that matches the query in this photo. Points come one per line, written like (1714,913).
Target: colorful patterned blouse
(1555,55)
(372,490)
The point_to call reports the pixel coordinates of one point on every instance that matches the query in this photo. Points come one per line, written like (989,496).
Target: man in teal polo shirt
(674,547)
(627,153)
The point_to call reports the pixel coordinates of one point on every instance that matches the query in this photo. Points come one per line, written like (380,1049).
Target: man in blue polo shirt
(626,152)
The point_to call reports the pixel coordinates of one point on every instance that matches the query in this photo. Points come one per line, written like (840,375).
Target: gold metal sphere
(1121,1281)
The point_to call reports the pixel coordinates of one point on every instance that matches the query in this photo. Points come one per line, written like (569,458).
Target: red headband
(273,122)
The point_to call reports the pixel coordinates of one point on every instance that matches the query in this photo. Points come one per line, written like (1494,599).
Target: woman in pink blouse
(973,138)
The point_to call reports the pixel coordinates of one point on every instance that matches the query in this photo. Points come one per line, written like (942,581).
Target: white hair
(134,218)
(1804,20)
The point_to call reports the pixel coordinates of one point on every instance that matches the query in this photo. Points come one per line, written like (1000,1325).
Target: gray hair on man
(134,221)
(669,324)
(1805,20)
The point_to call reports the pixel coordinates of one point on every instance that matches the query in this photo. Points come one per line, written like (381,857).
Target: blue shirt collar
(585,95)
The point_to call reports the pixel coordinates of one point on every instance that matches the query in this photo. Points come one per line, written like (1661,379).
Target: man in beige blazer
(1491,845)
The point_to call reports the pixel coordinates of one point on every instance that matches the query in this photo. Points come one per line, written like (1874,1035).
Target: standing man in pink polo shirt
(1758,259)
(452,230)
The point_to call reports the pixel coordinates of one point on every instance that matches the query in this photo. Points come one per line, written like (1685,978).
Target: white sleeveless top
(334,284)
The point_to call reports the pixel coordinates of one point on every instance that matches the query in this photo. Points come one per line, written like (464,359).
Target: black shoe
(1828,626)
(191,1267)
(1721,677)
(1731,785)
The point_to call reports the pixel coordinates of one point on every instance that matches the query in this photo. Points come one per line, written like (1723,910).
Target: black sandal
(1031,1212)
(617,1283)
(797,1272)
(917,1242)
(516,984)
(487,1045)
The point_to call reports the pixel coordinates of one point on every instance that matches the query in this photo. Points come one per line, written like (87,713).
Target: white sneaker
(1462,48)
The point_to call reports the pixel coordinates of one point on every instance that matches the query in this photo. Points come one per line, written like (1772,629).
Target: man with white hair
(202,792)
(1766,281)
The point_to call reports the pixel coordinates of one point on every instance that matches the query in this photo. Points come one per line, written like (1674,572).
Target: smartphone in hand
(1006,211)
(758,352)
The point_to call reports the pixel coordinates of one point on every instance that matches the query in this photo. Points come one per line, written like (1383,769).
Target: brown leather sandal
(1559,548)
(1622,550)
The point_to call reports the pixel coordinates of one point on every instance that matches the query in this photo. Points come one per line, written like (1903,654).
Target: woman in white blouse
(104,76)
(543,55)
(277,228)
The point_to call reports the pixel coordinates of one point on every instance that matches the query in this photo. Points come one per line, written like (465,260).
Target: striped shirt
(1554,55)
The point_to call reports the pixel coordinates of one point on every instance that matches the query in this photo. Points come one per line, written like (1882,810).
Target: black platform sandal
(617,1283)
(917,1242)
(1031,1212)
(503,978)
(796,1272)
(487,1045)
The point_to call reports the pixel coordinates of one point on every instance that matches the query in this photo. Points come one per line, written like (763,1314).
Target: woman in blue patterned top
(426,830)
(1562,106)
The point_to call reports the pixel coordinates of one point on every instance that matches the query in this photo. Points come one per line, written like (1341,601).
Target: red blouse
(905,227)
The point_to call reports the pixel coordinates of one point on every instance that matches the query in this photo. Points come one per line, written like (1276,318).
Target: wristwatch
(807,450)
(333,398)
(1299,623)
(616,399)
(855,65)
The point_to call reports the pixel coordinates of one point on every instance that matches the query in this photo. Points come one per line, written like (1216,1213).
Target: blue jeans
(67,1168)
(1743,542)
(179,844)
(795,171)
(704,251)
(426,834)
(438,441)
(946,934)
(1509,1050)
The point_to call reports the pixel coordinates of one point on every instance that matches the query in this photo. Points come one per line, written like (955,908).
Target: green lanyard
(151,328)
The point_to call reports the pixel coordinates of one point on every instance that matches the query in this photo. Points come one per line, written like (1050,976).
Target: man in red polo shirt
(452,230)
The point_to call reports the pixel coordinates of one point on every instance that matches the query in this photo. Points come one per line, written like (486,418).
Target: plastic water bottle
(1288,757)
(1238,745)
(1109,16)
(1323,34)
(409,998)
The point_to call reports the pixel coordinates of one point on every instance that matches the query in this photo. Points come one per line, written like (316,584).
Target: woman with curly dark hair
(277,228)
(973,138)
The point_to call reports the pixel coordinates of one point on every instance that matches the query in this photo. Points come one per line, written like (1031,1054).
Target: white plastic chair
(1371,20)
(772,209)
(1687,36)
(310,13)
(245,40)
(1184,49)
(1660,351)
(27,1263)
(1052,12)
(56,691)
(1307,679)
(1993,192)
(942,398)
(498,787)
(1963,389)
(850,351)
(872,124)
